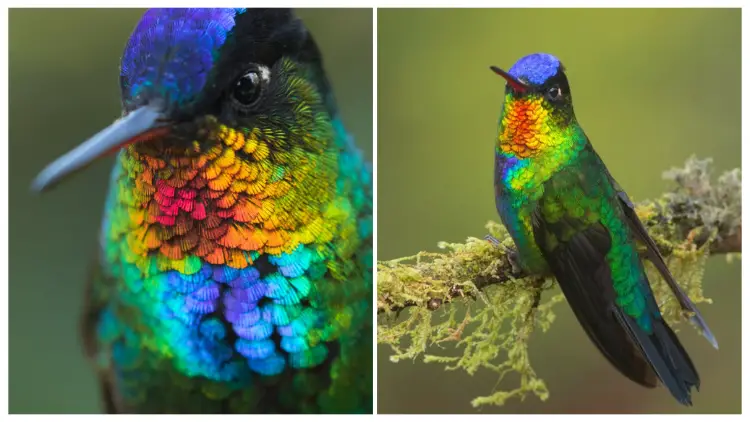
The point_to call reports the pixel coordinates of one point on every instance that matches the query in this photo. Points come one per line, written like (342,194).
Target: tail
(665,355)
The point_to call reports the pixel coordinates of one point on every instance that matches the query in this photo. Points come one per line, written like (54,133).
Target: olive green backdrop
(64,69)
(650,87)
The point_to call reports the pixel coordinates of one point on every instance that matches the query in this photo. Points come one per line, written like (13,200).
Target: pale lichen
(470,297)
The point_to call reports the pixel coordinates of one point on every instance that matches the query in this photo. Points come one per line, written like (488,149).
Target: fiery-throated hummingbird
(235,264)
(568,216)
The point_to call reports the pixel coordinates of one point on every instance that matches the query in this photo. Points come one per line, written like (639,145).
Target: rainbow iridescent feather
(236,249)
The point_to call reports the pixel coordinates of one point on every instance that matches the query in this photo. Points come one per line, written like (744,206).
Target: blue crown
(536,68)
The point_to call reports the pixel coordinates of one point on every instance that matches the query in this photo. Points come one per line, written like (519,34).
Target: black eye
(248,88)
(554,93)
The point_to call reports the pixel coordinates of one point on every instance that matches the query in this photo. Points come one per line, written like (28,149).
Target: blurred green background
(651,87)
(64,68)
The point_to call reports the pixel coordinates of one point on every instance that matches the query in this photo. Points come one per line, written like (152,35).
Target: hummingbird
(568,217)
(234,265)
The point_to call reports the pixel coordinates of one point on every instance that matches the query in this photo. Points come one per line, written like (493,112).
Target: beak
(514,83)
(141,124)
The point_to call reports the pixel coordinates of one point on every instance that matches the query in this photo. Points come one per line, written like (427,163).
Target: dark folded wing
(580,266)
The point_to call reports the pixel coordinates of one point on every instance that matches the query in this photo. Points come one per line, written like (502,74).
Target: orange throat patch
(524,129)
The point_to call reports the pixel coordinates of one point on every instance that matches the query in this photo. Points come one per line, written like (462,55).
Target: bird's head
(200,85)
(538,105)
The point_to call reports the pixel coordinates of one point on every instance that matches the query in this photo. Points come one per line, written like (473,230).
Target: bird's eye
(248,88)
(554,93)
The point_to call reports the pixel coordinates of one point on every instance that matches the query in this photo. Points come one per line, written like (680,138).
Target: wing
(580,266)
(574,224)
(653,255)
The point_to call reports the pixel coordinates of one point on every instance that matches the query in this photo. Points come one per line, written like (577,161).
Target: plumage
(569,217)
(235,266)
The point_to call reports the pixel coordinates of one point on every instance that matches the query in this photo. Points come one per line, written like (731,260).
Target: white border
(374,210)
(4,211)
(389,4)
(328,3)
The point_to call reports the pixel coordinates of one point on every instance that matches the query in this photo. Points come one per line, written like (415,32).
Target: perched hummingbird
(569,217)
(235,265)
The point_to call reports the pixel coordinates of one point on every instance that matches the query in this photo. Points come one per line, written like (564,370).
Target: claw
(492,239)
(510,253)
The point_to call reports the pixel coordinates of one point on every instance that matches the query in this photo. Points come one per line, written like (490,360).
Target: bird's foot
(492,239)
(510,253)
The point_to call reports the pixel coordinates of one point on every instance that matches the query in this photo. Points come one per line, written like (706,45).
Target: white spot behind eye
(265,73)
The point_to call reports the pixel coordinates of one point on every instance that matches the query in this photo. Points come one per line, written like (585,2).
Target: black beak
(141,124)
(514,83)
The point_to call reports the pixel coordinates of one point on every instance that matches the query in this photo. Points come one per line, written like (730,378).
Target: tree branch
(695,213)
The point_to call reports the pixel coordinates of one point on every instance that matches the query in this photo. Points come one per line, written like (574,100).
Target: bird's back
(579,199)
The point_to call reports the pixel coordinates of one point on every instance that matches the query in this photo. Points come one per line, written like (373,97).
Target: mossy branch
(696,219)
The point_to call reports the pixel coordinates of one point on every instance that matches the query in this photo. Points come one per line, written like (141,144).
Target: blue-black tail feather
(666,356)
